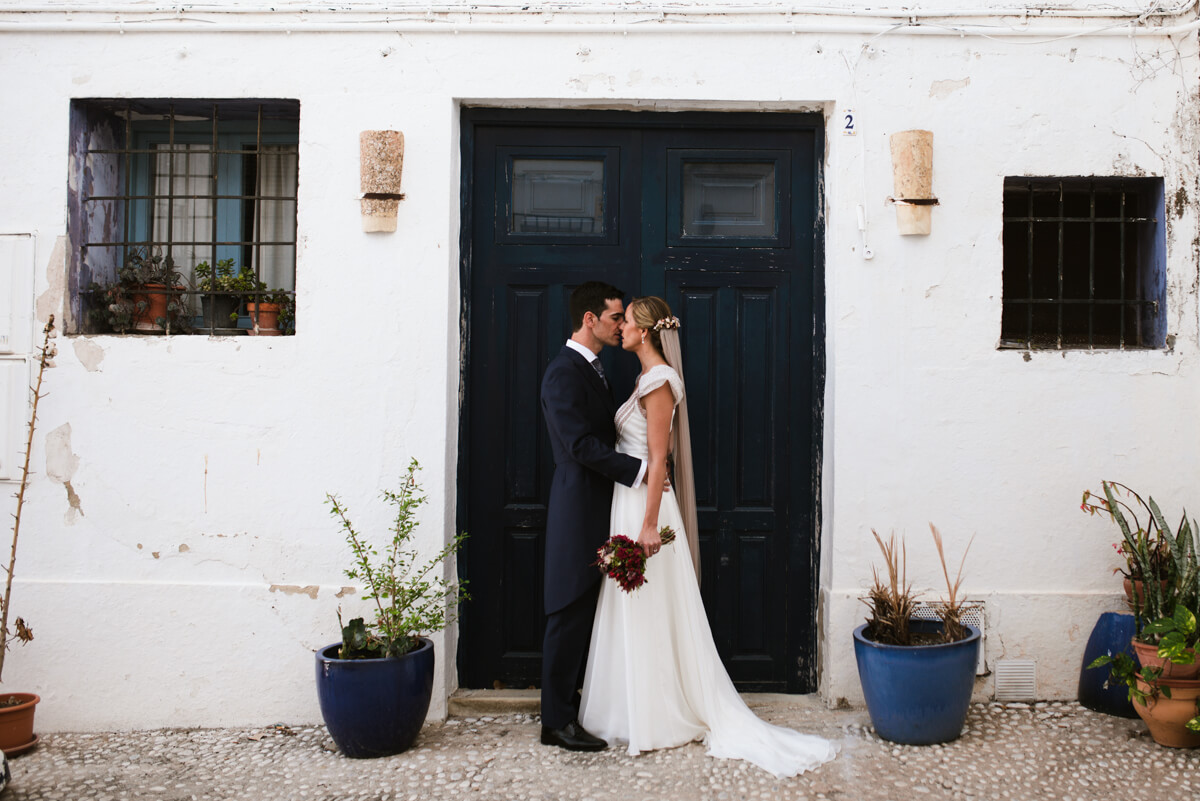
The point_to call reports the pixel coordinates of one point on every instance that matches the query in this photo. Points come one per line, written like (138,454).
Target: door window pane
(557,196)
(729,199)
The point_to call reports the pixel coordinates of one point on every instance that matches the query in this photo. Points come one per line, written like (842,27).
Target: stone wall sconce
(381,158)
(912,178)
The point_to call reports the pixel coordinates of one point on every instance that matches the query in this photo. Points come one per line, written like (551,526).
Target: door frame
(804,638)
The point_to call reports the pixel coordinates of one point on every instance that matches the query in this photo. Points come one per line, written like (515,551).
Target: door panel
(716,213)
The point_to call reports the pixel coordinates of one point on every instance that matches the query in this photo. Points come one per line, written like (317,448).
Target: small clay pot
(1137,585)
(266,317)
(1167,717)
(1148,657)
(16,722)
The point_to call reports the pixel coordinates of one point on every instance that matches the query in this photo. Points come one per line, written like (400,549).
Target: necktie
(600,370)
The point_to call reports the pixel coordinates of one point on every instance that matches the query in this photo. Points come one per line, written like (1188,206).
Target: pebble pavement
(1050,750)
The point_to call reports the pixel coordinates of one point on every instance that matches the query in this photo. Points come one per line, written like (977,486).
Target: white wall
(176,588)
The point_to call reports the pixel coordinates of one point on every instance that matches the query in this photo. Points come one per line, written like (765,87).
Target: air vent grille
(973,615)
(1016,680)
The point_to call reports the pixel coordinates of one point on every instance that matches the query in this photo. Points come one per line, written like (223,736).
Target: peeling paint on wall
(61,465)
(50,301)
(295,589)
(344,591)
(940,90)
(89,354)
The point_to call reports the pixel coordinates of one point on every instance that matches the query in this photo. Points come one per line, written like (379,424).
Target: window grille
(191,182)
(1084,263)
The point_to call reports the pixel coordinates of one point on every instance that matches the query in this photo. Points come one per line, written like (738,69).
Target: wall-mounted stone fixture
(381,158)
(912,178)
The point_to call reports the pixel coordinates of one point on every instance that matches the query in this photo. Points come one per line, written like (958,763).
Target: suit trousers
(564,658)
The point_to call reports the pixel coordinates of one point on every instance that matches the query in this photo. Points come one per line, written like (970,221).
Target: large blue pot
(1112,635)
(917,694)
(374,707)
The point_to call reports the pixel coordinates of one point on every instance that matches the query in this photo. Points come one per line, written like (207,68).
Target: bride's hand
(650,540)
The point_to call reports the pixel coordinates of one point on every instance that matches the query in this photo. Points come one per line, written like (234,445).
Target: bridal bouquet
(624,561)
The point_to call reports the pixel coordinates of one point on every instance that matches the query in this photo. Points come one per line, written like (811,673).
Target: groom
(578,406)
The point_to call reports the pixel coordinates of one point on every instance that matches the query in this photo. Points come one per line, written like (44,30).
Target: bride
(654,678)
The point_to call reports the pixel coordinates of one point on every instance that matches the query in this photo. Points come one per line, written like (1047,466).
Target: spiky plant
(951,609)
(892,602)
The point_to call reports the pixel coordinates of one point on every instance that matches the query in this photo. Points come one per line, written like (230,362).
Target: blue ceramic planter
(1112,635)
(374,707)
(917,694)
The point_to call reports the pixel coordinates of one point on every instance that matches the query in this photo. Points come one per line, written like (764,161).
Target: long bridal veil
(684,479)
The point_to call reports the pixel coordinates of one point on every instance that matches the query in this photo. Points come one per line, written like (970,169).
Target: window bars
(194,181)
(1083,263)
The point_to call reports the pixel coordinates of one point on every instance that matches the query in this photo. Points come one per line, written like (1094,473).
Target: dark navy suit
(579,412)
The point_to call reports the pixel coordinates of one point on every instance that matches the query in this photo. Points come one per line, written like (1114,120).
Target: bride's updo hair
(647,312)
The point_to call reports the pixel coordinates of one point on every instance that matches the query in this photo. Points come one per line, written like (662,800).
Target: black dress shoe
(572,737)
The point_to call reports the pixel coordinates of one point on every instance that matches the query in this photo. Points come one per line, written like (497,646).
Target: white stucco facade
(178,563)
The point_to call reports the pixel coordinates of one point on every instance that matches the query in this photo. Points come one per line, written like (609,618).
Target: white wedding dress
(654,678)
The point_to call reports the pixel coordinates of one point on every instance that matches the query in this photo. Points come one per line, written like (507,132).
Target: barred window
(183,216)
(1084,263)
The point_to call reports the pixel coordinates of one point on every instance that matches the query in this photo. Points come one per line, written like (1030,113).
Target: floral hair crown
(667,322)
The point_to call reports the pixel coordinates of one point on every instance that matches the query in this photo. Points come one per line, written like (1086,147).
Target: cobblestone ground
(1043,751)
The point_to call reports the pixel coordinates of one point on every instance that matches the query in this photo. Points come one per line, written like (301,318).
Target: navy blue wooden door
(717,213)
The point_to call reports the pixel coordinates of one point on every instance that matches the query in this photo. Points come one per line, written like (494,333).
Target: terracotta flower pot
(1148,657)
(1137,585)
(156,298)
(266,317)
(1166,717)
(16,722)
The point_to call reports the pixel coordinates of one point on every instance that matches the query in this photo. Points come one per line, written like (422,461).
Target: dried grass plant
(951,609)
(893,602)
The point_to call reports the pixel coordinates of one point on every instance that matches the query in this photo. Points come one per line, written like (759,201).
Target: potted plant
(268,310)
(147,295)
(223,288)
(374,686)
(17,709)
(1154,551)
(287,311)
(1164,681)
(1170,706)
(916,675)
(1147,555)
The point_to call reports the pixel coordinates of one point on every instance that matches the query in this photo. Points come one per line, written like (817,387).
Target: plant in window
(271,309)
(287,311)
(147,295)
(237,286)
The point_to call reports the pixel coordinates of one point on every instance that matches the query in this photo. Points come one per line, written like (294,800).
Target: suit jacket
(579,413)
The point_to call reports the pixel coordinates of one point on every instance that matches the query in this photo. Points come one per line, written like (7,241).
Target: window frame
(1131,291)
(124,138)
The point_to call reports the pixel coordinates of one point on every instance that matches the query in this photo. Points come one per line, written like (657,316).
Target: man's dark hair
(592,296)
